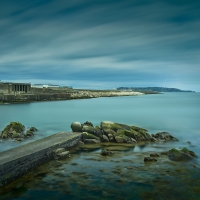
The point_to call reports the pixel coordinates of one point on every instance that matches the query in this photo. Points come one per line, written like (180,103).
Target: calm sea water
(90,176)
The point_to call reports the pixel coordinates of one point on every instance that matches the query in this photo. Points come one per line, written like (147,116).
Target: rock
(33,129)
(125,131)
(76,127)
(164,136)
(13,130)
(18,139)
(109,132)
(29,133)
(94,131)
(153,139)
(16,130)
(164,153)
(91,141)
(63,155)
(105,152)
(133,140)
(80,143)
(105,139)
(119,139)
(183,154)
(86,135)
(59,150)
(87,123)
(149,159)
(154,155)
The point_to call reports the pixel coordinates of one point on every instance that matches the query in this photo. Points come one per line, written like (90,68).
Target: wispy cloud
(120,42)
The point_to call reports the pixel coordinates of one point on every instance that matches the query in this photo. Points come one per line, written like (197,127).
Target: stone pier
(20,160)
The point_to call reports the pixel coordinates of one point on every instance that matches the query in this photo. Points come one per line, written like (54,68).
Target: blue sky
(101,43)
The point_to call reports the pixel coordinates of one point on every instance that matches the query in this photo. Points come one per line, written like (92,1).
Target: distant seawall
(20,160)
(53,95)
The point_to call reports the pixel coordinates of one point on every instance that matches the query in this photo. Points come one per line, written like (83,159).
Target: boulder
(13,130)
(164,136)
(86,135)
(94,131)
(125,131)
(63,155)
(87,123)
(105,139)
(182,154)
(76,127)
(119,139)
(33,129)
(29,133)
(91,141)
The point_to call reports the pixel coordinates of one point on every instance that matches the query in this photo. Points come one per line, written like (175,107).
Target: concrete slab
(36,146)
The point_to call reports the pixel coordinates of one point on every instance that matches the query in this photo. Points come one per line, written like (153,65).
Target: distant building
(44,86)
(13,88)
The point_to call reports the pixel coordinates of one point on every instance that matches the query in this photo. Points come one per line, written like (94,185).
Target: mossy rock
(181,155)
(15,134)
(87,123)
(109,131)
(15,126)
(94,131)
(86,135)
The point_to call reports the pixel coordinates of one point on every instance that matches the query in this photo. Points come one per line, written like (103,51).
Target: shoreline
(54,95)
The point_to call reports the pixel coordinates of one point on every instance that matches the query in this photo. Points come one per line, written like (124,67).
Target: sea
(125,175)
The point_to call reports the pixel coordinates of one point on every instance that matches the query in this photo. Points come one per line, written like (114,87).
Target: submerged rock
(105,152)
(154,155)
(149,159)
(61,153)
(183,154)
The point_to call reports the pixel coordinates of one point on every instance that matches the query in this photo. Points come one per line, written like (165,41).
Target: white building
(44,86)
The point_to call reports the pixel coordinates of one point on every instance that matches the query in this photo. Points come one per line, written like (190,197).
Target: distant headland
(152,89)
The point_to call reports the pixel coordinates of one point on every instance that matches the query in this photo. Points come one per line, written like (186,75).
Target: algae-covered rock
(76,127)
(119,139)
(182,154)
(164,136)
(13,130)
(91,141)
(94,131)
(105,139)
(86,135)
(124,131)
(87,123)
(16,130)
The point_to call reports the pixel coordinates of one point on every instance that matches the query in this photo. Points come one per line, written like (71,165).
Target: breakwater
(20,160)
(61,94)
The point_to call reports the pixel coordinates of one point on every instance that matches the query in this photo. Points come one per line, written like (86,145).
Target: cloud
(136,42)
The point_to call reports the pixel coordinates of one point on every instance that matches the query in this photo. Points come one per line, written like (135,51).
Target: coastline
(56,95)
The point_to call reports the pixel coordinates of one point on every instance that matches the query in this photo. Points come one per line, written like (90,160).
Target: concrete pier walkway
(20,160)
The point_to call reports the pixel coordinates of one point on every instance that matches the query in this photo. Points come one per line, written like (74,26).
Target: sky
(101,44)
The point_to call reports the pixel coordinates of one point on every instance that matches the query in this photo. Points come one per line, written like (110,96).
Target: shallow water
(88,175)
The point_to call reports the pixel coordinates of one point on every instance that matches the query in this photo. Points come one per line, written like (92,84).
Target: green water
(88,175)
